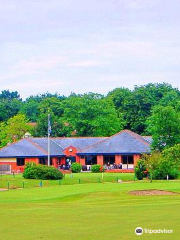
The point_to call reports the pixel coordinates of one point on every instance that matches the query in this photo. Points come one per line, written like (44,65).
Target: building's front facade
(123,148)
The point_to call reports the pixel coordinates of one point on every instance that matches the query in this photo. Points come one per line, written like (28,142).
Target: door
(69,161)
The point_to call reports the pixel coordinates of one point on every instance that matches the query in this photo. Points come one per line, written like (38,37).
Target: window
(109,160)
(20,161)
(90,160)
(128,159)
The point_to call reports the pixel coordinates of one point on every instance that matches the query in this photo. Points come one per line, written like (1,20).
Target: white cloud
(86,64)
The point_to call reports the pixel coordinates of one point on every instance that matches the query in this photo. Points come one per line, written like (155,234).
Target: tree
(164,125)
(152,163)
(91,115)
(163,165)
(10,104)
(172,155)
(140,169)
(14,129)
(172,98)
(55,108)
(140,102)
(33,106)
(30,109)
(6,94)
(119,96)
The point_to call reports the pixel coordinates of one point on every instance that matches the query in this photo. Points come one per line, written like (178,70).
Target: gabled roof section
(31,147)
(22,148)
(124,142)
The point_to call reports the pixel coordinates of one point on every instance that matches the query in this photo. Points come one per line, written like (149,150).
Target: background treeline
(152,109)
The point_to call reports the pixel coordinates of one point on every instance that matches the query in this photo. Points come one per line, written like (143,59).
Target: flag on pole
(49,125)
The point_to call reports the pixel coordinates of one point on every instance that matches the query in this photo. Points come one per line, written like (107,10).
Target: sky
(84,46)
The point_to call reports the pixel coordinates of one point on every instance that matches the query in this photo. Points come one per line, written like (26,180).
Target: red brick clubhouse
(122,149)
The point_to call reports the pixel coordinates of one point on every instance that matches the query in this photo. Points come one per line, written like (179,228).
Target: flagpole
(48,139)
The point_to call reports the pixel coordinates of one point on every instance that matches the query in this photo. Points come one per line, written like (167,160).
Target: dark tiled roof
(79,142)
(124,142)
(38,147)
(23,148)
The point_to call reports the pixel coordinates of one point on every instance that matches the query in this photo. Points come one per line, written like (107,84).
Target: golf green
(89,211)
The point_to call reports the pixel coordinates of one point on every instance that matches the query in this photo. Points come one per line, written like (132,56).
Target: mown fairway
(88,212)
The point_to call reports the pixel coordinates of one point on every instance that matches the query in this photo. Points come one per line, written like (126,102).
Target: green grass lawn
(88,211)
(17,181)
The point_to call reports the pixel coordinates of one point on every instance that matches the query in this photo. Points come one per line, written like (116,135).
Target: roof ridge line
(139,137)
(36,145)
(107,138)
(57,143)
(77,137)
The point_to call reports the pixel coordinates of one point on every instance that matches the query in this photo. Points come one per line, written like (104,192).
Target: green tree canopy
(14,129)
(92,115)
(139,104)
(54,107)
(10,104)
(164,125)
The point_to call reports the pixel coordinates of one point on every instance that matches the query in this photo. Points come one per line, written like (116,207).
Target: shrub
(30,164)
(139,174)
(140,169)
(97,168)
(161,165)
(76,167)
(173,173)
(171,161)
(165,168)
(42,172)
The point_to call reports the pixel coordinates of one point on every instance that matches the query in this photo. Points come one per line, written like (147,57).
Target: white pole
(48,140)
